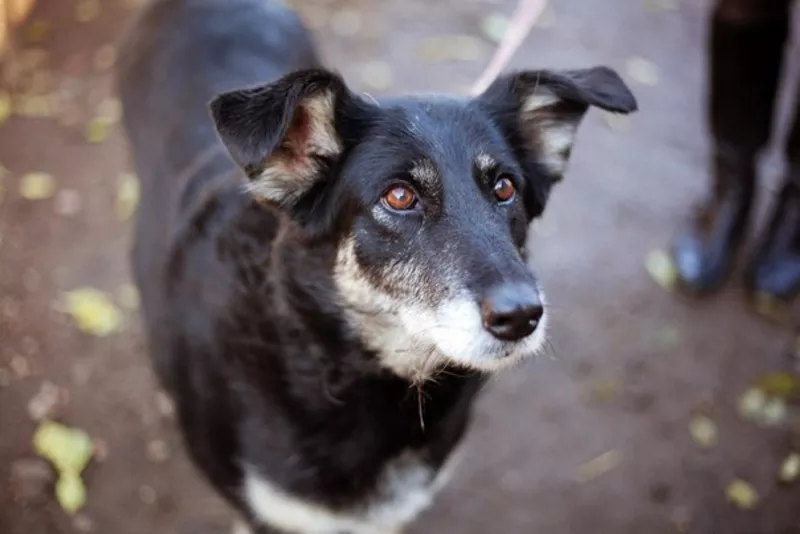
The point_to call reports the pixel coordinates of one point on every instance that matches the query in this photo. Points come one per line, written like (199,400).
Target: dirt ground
(595,439)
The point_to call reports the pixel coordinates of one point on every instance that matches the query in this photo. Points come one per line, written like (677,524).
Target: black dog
(325,324)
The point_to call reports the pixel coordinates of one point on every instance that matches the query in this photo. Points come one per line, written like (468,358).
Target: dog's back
(178,55)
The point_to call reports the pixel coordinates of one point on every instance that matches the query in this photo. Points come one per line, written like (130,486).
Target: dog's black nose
(512,311)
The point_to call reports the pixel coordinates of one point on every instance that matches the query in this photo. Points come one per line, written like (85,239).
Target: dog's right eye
(400,198)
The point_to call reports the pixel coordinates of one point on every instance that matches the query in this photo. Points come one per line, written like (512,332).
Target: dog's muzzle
(511,311)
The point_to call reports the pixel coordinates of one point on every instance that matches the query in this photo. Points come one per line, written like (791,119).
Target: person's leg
(775,267)
(746,50)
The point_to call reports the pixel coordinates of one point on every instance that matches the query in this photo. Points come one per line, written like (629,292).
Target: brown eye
(400,198)
(504,189)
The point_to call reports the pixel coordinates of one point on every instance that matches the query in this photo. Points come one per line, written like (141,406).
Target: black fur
(244,323)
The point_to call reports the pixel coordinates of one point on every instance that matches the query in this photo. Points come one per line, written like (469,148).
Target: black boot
(773,275)
(704,254)
(746,53)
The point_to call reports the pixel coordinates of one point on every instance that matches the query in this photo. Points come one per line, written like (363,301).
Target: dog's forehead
(441,126)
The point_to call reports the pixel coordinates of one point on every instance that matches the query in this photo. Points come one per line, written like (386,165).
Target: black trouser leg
(747,39)
(775,267)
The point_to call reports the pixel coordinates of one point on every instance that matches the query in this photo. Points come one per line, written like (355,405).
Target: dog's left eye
(400,198)
(504,189)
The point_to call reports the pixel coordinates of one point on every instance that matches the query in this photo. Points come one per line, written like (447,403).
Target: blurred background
(653,414)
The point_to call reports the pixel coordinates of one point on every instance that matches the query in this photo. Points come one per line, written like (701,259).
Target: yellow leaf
(68,449)
(703,430)
(97,130)
(598,466)
(87,10)
(37,186)
(790,468)
(742,494)
(494,27)
(643,71)
(751,404)
(70,492)
(92,311)
(779,384)
(661,269)
(5,106)
(127,196)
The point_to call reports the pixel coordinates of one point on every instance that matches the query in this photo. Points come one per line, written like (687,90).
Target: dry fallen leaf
(494,27)
(87,10)
(110,110)
(21,366)
(703,430)
(774,412)
(668,337)
(67,202)
(35,106)
(547,18)
(157,451)
(642,71)
(147,494)
(104,58)
(37,31)
(661,269)
(790,468)
(451,48)
(97,130)
(44,403)
(5,106)
(127,196)
(346,22)
(742,494)
(616,121)
(751,403)
(604,391)
(769,306)
(377,75)
(662,5)
(37,186)
(69,450)
(598,466)
(128,297)
(782,385)
(93,311)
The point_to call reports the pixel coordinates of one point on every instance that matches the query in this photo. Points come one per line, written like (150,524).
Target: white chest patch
(406,488)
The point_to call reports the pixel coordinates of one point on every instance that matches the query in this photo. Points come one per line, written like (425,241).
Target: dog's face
(428,201)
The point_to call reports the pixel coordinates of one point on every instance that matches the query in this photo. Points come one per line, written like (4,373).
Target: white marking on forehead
(485,162)
(424,171)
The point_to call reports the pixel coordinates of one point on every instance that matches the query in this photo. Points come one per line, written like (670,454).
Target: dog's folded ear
(542,109)
(284,134)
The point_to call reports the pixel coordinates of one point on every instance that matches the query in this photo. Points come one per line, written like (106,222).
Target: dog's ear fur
(284,134)
(541,110)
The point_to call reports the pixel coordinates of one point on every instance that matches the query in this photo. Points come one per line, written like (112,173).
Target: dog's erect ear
(542,109)
(283,134)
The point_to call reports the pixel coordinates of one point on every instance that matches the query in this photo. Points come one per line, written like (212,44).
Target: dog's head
(427,199)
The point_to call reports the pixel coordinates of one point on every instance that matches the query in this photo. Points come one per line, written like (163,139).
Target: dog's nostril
(511,313)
